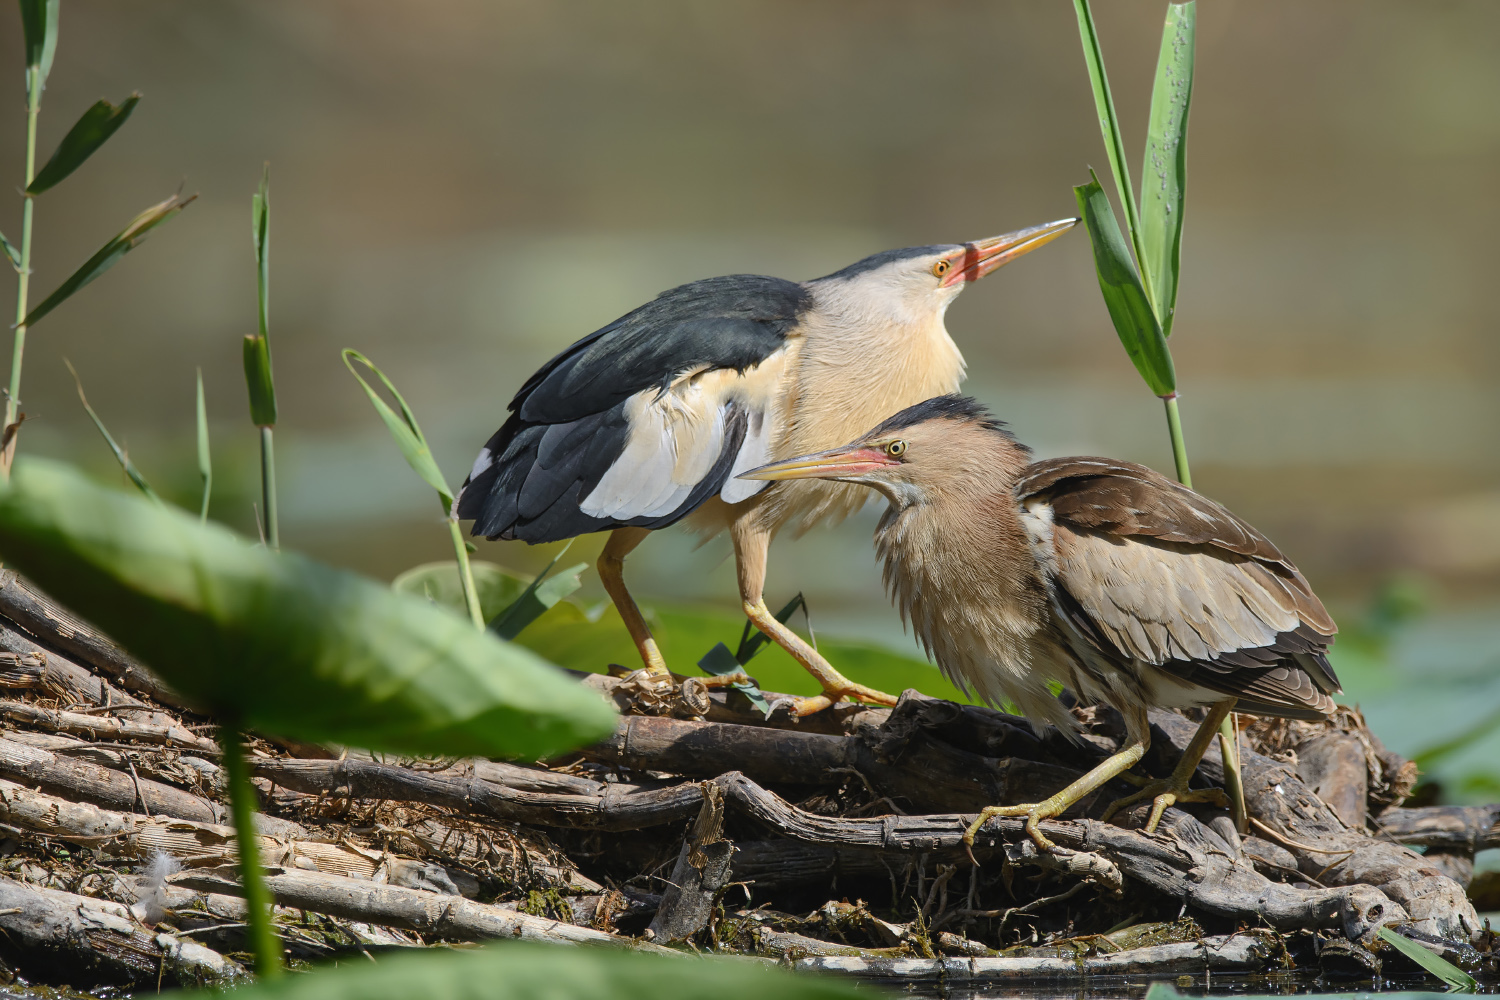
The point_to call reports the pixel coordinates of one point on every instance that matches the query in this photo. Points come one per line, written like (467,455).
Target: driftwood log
(832,842)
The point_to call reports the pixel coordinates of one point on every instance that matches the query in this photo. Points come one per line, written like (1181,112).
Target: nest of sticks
(832,842)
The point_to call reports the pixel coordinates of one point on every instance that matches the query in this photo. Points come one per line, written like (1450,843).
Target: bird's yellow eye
(896,449)
(941,267)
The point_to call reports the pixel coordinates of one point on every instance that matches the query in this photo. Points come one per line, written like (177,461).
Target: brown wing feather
(1150,571)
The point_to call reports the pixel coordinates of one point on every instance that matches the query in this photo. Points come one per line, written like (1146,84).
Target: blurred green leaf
(258,381)
(120,455)
(439,582)
(1109,123)
(539,597)
(1434,963)
(260,236)
(1463,739)
(506,598)
(1164,166)
(526,971)
(205,461)
(1129,308)
(123,242)
(39,27)
(403,427)
(90,132)
(278,642)
(11,253)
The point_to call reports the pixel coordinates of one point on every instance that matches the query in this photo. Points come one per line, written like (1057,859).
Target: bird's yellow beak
(981,257)
(839,463)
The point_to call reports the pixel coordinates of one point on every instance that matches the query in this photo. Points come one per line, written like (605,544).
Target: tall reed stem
(263,941)
(1179,449)
(268,490)
(23,277)
(465,574)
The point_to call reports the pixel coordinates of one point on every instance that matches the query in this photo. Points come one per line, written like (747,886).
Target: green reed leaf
(39,29)
(86,136)
(108,255)
(1164,165)
(403,427)
(205,461)
(120,454)
(1457,978)
(1129,307)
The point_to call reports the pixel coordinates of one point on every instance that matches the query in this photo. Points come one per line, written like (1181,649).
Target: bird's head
(940,446)
(918,282)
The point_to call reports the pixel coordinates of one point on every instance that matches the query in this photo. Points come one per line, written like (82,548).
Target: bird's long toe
(1163,793)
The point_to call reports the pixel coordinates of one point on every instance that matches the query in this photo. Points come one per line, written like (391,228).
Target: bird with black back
(650,420)
(1122,585)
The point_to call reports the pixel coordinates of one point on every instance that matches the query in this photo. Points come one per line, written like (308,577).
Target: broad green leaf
(39,27)
(260,236)
(1457,978)
(403,427)
(1126,300)
(1109,122)
(1164,166)
(526,971)
(11,253)
(90,132)
(258,380)
(205,461)
(121,455)
(278,642)
(123,242)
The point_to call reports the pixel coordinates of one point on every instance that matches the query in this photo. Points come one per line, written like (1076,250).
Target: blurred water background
(461,188)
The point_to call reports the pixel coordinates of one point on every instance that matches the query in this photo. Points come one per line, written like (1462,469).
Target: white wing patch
(755,452)
(677,436)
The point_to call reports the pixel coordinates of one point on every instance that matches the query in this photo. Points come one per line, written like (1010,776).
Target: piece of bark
(449,917)
(1449,828)
(54,626)
(1246,951)
(166,733)
(86,941)
(921,773)
(78,779)
(1333,766)
(609,806)
(702,869)
(1325,848)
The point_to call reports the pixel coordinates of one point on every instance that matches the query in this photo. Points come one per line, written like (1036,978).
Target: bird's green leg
(751,546)
(1165,792)
(611,567)
(1139,740)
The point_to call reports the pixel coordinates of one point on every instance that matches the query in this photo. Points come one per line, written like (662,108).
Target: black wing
(590,413)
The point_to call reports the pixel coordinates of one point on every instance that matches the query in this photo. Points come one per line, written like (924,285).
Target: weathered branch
(79,779)
(33,611)
(1444,828)
(77,937)
(165,733)
(1331,852)
(451,917)
(606,807)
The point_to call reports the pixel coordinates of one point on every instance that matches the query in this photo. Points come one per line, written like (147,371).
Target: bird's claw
(1034,812)
(1165,792)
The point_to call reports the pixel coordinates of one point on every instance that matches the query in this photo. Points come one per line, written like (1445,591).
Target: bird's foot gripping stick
(835,685)
(1169,791)
(1139,739)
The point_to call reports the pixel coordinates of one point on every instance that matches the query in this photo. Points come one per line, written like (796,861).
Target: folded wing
(642,421)
(1151,572)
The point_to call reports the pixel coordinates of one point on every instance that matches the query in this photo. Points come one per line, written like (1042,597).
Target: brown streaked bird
(650,420)
(1124,586)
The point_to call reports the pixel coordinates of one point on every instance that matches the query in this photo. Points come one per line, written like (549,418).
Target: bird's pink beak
(839,463)
(981,257)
